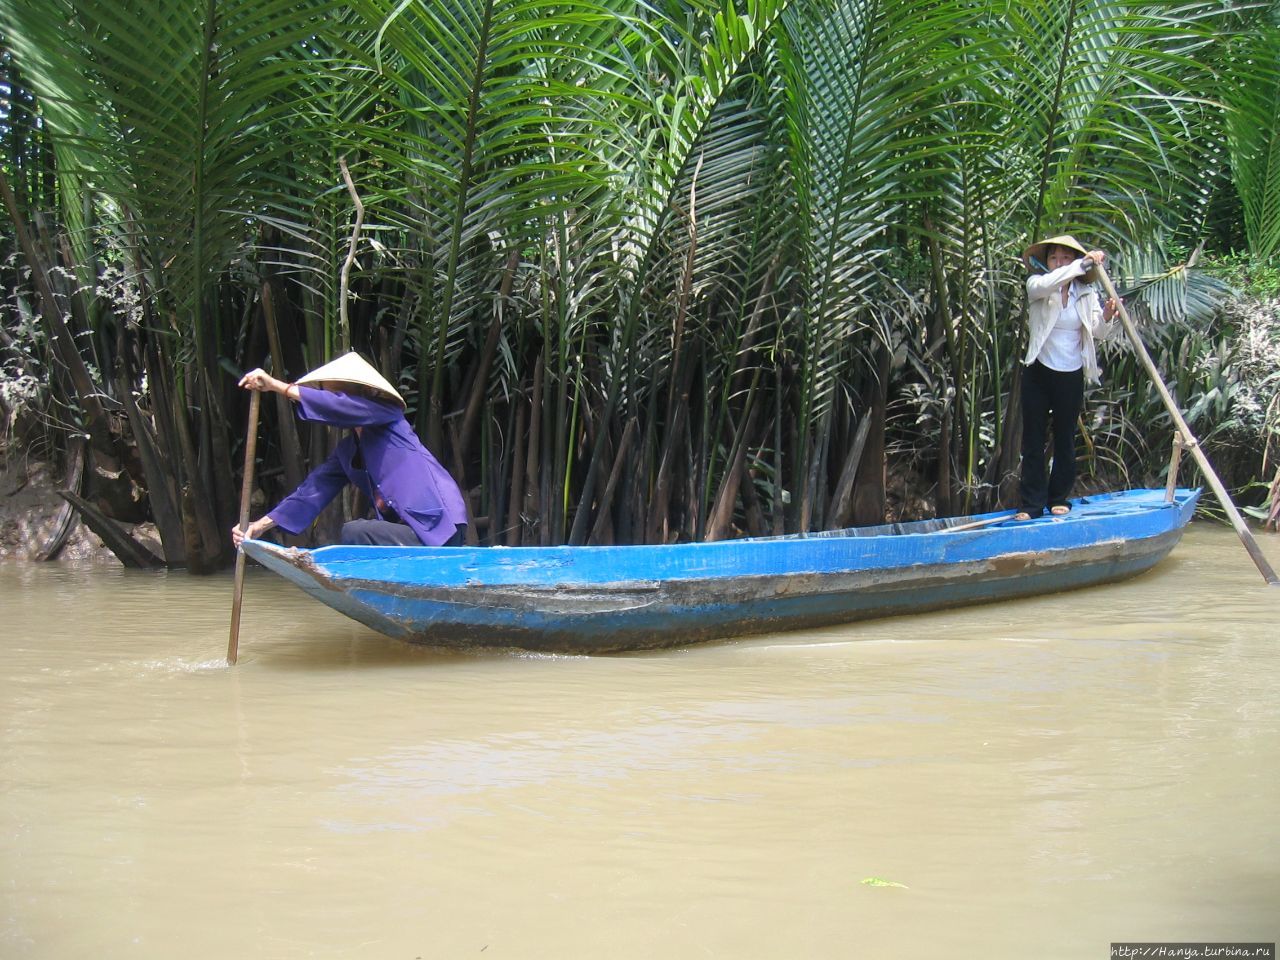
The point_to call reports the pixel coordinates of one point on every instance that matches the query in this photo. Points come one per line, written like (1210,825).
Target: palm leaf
(1251,94)
(194,107)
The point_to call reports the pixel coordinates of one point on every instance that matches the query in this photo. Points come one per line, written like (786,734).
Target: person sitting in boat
(415,500)
(1065,319)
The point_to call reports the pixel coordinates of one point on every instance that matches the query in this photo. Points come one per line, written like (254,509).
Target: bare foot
(1060,510)
(1022,516)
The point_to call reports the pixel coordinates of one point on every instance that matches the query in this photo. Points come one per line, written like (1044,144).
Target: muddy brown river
(1033,779)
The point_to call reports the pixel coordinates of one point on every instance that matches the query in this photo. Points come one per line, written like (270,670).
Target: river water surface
(1037,778)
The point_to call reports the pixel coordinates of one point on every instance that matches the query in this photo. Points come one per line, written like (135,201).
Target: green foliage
(182,120)
(1246,274)
(696,228)
(1251,95)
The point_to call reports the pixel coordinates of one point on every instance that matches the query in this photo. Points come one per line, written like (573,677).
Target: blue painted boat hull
(601,599)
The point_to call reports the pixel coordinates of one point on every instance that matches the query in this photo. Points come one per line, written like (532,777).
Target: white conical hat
(353,368)
(1037,250)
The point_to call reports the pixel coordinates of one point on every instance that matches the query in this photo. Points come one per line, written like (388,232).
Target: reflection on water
(1044,777)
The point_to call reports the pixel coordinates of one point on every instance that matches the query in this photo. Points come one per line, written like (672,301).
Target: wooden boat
(600,599)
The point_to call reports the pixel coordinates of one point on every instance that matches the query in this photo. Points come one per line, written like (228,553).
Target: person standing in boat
(1066,320)
(415,500)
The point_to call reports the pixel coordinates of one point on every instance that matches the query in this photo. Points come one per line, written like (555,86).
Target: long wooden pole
(250,456)
(1189,441)
(974,525)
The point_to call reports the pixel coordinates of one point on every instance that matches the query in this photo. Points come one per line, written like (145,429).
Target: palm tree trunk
(480,381)
(721,515)
(291,448)
(841,513)
(600,531)
(534,485)
(869,494)
(677,420)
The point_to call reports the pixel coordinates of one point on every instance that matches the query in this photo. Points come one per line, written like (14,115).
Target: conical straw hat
(353,368)
(1037,250)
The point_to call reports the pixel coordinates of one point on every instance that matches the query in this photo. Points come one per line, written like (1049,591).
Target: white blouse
(1062,350)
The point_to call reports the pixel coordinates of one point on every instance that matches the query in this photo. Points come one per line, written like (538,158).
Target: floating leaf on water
(877,882)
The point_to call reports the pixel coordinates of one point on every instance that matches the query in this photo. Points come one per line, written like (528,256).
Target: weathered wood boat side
(599,599)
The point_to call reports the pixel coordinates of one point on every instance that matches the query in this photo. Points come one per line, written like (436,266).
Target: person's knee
(356,533)
(378,533)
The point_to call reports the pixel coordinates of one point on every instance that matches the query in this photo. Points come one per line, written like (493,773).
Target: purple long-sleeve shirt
(399,474)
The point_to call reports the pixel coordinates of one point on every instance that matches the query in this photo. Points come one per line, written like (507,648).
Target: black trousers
(1049,396)
(384,533)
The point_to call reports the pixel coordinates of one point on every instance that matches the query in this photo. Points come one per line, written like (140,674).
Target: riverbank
(31,510)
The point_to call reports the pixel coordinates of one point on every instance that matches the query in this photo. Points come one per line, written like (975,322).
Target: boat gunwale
(501,568)
(748,585)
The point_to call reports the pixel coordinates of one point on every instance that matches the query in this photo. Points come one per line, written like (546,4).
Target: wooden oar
(250,455)
(975,524)
(1189,440)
